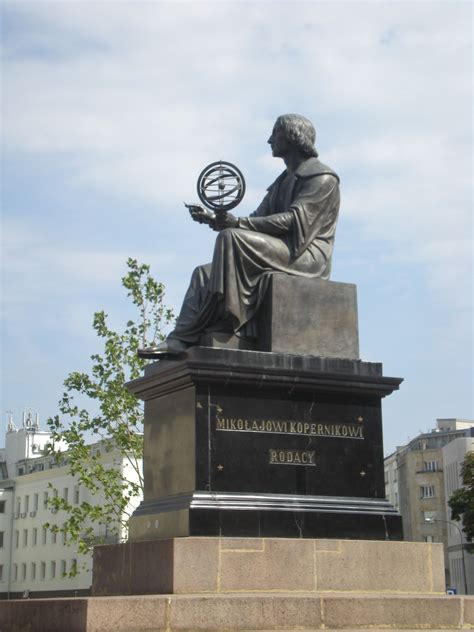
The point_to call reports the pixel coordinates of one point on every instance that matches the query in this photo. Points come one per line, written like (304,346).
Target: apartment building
(34,561)
(415,475)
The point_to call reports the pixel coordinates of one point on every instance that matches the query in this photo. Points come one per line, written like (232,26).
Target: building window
(25,537)
(430,466)
(43,570)
(2,538)
(452,567)
(18,506)
(27,504)
(427,491)
(15,572)
(44,535)
(63,568)
(429,538)
(2,506)
(1,572)
(396,499)
(23,572)
(386,477)
(429,516)
(76,495)
(33,570)
(17,539)
(35,502)
(448,477)
(73,566)
(53,570)
(35,537)
(45,500)
(66,494)
(459,572)
(395,475)
(54,537)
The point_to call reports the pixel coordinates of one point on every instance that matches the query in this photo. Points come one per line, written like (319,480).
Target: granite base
(254,565)
(242,612)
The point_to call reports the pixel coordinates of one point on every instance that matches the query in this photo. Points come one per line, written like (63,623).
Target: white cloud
(133,99)
(139,96)
(68,277)
(137,93)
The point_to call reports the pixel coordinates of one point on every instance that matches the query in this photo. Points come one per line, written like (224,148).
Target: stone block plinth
(301,316)
(255,565)
(310,317)
(241,612)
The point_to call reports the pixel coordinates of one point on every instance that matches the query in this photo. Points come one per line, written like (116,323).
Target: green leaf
(117,420)
(461,501)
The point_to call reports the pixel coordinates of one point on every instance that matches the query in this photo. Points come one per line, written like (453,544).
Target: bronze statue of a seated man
(292,231)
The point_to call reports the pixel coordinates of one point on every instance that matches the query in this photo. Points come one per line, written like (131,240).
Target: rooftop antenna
(30,418)
(10,424)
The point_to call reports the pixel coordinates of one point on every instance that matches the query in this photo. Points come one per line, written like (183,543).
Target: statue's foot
(167,348)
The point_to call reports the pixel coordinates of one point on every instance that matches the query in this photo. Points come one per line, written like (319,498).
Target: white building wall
(23,444)
(32,558)
(6,521)
(39,557)
(391,479)
(131,474)
(453,456)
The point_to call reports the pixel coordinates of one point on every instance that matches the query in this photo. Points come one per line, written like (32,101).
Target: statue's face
(278,142)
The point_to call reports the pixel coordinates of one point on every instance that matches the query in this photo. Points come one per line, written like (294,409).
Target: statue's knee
(202,271)
(226,234)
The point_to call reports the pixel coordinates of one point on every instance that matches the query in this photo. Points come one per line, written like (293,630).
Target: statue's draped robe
(292,231)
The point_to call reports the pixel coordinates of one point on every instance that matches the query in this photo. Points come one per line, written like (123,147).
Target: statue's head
(299,132)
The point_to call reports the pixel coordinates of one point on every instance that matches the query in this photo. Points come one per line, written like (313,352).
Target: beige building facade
(415,475)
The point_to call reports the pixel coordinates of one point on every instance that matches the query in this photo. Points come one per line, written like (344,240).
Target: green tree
(461,502)
(117,420)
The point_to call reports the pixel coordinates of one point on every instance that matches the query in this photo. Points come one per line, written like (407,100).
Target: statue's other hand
(226,220)
(200,214)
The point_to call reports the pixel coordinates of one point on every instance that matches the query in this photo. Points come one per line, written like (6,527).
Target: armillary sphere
(221,186)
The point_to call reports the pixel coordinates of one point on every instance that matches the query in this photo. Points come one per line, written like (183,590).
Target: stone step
(238,611)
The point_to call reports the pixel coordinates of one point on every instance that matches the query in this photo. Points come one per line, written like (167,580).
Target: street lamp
(462,546)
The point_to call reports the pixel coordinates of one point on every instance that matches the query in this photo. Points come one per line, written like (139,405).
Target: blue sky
(110,110)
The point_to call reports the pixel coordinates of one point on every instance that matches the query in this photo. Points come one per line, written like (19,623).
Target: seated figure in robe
(292,231)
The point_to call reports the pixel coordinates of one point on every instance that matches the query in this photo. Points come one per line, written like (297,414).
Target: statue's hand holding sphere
(201,214)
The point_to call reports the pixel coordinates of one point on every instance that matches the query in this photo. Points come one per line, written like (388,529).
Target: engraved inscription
(345,431)
(291,457)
